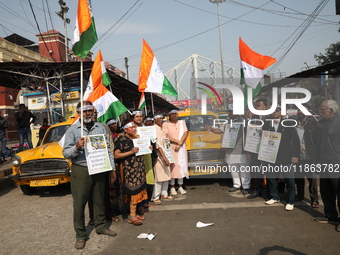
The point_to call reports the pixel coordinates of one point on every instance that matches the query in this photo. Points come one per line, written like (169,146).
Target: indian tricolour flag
(106,104)
(252,64)
(151,77)
(85,35)
(142,102)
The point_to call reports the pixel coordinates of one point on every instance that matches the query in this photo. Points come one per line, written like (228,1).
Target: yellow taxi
(204,147)
(44,165)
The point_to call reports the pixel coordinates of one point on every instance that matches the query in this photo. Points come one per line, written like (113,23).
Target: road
(42,224)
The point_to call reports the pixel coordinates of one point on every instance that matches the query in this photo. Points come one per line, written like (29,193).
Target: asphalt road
(42,224)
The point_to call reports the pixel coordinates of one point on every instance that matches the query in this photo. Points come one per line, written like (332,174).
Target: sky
(176,29)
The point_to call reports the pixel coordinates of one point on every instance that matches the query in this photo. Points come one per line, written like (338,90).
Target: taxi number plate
(39,183)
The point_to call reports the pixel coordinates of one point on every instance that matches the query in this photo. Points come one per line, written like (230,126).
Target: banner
(97,156)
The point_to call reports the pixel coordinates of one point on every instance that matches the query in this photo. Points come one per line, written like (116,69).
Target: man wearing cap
(83,184)
(287,155)
(177,132)
(236,157)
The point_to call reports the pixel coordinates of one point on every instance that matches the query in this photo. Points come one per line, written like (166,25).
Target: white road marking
(220,205)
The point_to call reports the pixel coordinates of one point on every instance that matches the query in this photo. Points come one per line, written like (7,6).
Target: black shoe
(337,228)
(245,191)
(233,189)
(253,194)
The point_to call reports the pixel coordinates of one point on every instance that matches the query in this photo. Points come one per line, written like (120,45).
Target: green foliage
(332,54)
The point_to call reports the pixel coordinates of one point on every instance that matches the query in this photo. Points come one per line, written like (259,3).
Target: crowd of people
(135,180)
(308,146)
(138,180)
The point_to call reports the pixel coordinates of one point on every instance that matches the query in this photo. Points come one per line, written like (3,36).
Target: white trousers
(179,181)
(240,179)
(160,189)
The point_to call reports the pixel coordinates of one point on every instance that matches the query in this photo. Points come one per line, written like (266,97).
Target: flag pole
(81,99)
(153,111)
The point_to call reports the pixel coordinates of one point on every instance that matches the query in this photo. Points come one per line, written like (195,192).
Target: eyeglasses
(278,109)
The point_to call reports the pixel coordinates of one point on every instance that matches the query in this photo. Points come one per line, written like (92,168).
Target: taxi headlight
(16,160)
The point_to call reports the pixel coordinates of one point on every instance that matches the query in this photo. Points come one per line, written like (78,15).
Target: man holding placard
(280,147)
(82,183)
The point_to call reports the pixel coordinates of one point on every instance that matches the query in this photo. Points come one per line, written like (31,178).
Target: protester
(162,166)
(236,157)
(329,154)
(84,185)
(148,121)
(3,127)
(143,207)
(132,170)
(307,131)
(42,131)
(176,130)
(260,104)
(287,155)
(24,119)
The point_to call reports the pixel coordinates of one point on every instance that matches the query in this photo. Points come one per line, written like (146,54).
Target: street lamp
(62,14)
(219,32)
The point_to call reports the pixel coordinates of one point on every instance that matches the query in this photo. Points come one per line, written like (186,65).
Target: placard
(253,139)
(168,151)
(97,156)
(143,144)
(269,147)
(230,135)
(147,132)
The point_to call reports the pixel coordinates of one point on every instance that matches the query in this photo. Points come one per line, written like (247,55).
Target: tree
(332,54)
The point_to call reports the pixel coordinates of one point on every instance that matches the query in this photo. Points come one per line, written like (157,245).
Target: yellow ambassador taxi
(204,147)
(44,165)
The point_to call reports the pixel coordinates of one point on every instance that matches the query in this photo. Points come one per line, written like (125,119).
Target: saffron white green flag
(85,35)
(142,102)
(252,64)
(106,104)
(151,77)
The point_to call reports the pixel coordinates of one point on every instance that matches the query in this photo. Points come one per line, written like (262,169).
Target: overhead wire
(115,24)
(43,5)
(35,19)
(49,14)
(28,20)
(303,28)
(282,13)
(198,34)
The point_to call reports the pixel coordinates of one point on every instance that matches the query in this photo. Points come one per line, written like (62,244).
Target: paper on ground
(202,225)
(146,236)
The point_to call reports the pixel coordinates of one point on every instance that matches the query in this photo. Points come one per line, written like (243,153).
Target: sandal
(315,204)
(135,221)
(157,201)
(140,217)
(167,198)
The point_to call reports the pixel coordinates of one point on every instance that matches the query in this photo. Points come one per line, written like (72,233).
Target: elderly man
(329,156)
(84,185)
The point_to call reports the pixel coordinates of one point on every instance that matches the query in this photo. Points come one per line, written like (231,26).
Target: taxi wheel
(27,190)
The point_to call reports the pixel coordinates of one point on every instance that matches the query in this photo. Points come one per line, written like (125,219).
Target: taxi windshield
(54,134)
(197,122)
